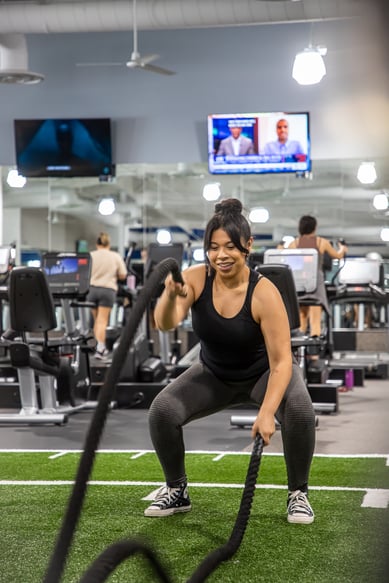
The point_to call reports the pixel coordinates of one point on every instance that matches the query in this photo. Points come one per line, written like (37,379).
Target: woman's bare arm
(270,310)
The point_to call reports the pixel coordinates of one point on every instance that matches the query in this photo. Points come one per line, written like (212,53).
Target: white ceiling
(156,195)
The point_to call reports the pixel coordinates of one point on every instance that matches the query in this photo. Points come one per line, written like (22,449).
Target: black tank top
(233,348)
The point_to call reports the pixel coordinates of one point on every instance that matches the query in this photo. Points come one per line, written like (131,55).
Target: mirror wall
(55,213)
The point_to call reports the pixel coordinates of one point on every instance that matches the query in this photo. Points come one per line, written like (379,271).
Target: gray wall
(163,119)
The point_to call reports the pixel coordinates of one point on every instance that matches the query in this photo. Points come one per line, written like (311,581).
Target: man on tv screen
(284,148)
(235,144)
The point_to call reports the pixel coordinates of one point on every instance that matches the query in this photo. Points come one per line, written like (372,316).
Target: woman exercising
(107,268)
(310,315)
(245,356)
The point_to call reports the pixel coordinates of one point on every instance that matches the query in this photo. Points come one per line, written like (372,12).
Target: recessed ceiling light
(164,236)
(107,206)
(259,215)
(380,201)
(211,191)
(367,173)
(15,180)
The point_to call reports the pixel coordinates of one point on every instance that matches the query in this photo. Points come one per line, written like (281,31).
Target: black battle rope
(64,539)
(109,559)
(115,554)
(227,550)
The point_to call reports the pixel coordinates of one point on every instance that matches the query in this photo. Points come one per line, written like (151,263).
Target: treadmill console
(304,264)
(68,274)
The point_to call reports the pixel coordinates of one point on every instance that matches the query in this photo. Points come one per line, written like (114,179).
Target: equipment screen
(157,253)
(68,273)
(303,263)
(360,271)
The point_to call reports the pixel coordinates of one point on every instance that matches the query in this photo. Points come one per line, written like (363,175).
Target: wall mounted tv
(256,143)
(63,147)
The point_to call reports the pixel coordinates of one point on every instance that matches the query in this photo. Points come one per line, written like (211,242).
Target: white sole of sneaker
(156,513)
(301,519)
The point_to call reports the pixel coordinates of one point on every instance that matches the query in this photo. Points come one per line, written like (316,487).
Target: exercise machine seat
(31,303)
(281,276)
(32,311)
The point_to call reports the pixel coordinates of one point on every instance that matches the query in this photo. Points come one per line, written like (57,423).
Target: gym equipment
(169,351)
(361,283)
(32,310)
(60,360)
(304,264)
(145,373)
(322,390)
(6,264)
(68,275)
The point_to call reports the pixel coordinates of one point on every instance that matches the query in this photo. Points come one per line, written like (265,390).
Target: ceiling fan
(137,61)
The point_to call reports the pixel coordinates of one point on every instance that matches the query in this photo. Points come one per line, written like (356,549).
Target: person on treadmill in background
(245,356)
(310,316)
(107,268)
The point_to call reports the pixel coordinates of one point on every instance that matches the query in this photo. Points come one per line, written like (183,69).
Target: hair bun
(229,206)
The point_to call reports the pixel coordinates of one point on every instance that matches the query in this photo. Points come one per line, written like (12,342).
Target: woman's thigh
(296,386)
(194,394)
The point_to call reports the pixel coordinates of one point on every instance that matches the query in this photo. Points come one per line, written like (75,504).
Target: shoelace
(298,503)
(166,494)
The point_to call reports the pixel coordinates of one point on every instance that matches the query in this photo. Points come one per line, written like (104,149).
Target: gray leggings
(197,393)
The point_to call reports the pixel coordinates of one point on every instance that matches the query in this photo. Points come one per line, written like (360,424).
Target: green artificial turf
(357,472)
(347,543)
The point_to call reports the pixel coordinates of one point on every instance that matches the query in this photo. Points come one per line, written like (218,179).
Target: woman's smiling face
(224,257)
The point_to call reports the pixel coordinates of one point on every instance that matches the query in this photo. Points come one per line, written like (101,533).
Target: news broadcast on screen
(251,143)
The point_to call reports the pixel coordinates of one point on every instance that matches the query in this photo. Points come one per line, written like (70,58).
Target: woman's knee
(297,396)
(161,411)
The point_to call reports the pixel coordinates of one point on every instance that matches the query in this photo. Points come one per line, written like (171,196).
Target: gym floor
(359,427)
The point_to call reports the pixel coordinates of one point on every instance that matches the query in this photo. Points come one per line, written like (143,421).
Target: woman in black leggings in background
(245,356)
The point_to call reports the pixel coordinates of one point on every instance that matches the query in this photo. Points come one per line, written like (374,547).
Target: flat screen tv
(63,147)
(256,143)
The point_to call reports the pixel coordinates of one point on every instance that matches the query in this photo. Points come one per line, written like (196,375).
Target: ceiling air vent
(14,61)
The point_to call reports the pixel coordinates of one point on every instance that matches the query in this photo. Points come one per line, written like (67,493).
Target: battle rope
(227,550)
(111,557)
(64,539)
(117,552)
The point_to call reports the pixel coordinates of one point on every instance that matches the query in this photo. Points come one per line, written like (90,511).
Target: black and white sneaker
(299,509)
(169,501)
